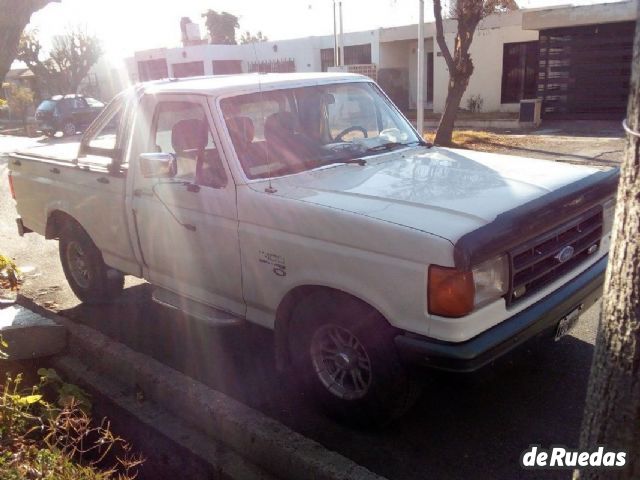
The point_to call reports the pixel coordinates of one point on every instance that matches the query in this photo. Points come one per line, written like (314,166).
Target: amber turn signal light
(450,292)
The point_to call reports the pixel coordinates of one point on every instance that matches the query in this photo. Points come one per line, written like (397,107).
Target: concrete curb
(219,461)
(261,440)
(30,335)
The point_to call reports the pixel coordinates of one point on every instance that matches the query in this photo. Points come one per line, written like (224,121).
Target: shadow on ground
(464,426)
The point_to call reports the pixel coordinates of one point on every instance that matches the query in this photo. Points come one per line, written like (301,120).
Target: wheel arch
(284,314)
(56,220)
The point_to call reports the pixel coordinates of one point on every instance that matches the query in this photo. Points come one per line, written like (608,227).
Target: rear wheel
(89,277)
(69,129)
(345,357)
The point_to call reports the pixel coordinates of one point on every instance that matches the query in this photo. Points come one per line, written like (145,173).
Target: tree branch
(444,48)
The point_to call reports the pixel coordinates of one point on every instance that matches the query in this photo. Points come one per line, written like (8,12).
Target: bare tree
(612,411)
(14,16)
(468,14)
(66,65)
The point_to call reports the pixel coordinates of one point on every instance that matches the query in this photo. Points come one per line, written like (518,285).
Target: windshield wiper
(385,147)
(358,161)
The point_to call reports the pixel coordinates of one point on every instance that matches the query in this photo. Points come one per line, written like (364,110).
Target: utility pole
(341,35)
(420,93)
(336,61)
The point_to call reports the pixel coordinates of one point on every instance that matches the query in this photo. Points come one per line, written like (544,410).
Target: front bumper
(584,290)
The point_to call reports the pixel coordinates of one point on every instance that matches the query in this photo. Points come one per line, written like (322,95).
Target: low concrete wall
(264,442)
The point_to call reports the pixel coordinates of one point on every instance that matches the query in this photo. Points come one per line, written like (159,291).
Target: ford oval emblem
(565,254)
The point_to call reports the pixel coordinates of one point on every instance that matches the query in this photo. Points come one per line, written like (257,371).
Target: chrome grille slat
(533,265)
(550,253)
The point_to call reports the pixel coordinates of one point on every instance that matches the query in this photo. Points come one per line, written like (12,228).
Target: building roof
(248,82)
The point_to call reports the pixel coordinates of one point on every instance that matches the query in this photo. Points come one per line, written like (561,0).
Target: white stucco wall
(396,48)
(486,52)
(304,51)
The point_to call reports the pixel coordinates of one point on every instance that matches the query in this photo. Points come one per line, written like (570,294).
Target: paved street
(464,426)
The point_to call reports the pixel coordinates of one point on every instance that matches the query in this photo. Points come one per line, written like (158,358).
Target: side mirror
(158,165)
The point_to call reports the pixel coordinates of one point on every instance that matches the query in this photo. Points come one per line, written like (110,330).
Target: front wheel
(346,359)
(89,277)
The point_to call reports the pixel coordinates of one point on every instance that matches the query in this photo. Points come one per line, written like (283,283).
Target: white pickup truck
(307,203)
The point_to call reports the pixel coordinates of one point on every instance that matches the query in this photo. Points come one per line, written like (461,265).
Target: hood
(446,192)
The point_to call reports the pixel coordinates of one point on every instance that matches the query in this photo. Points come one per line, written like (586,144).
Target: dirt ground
(592,142)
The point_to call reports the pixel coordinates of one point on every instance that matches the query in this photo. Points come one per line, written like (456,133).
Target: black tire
(69,129)
(391,389)
(94,281)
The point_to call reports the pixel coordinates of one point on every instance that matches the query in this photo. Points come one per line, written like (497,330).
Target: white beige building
(575,59)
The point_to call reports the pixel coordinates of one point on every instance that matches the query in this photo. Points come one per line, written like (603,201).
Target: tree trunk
(457,87)
(14,16)
(612,411)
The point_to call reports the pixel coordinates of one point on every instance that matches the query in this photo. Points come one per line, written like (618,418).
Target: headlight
(456,293)
(491,280)
(608,213)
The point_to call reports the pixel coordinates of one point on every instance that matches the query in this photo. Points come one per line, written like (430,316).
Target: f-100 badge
(275,261)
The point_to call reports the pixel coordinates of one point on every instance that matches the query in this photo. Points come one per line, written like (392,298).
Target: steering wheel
(354,128)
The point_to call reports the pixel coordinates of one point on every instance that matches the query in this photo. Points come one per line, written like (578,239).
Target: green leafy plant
(8,273)
(67,393)
(43,440)
(474,103)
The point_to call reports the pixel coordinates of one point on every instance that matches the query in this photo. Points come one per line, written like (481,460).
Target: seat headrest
(191,134)
(279,125)
(241,130)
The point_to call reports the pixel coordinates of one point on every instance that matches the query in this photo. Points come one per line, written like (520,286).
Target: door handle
(55,170)
(102,180)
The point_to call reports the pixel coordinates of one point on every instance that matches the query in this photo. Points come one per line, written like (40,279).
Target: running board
(197,310)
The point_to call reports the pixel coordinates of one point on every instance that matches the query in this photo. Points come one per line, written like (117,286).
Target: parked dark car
(68,114)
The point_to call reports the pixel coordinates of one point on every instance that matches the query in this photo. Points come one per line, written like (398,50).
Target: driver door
(187,225)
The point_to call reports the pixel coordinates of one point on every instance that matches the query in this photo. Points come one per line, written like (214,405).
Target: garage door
(584,71)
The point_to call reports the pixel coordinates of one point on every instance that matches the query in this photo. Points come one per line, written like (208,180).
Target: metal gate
(584,71)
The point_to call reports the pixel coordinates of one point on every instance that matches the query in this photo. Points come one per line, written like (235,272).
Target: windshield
(292,130)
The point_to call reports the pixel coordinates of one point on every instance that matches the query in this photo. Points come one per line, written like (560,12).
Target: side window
(182,128)
(79,103)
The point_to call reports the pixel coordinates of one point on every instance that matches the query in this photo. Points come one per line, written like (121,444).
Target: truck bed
(59,152)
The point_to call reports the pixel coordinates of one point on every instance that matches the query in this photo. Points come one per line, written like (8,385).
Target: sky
(125,26)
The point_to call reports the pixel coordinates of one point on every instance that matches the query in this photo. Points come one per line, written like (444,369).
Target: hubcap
(341,362)
(78,264)
(69,129)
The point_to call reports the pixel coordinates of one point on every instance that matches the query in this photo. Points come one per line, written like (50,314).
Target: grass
(57,440)
(479,140)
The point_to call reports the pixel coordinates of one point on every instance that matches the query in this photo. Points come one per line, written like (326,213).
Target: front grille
(534,266)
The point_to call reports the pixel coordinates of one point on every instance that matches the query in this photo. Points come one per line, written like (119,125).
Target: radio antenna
(269,188)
